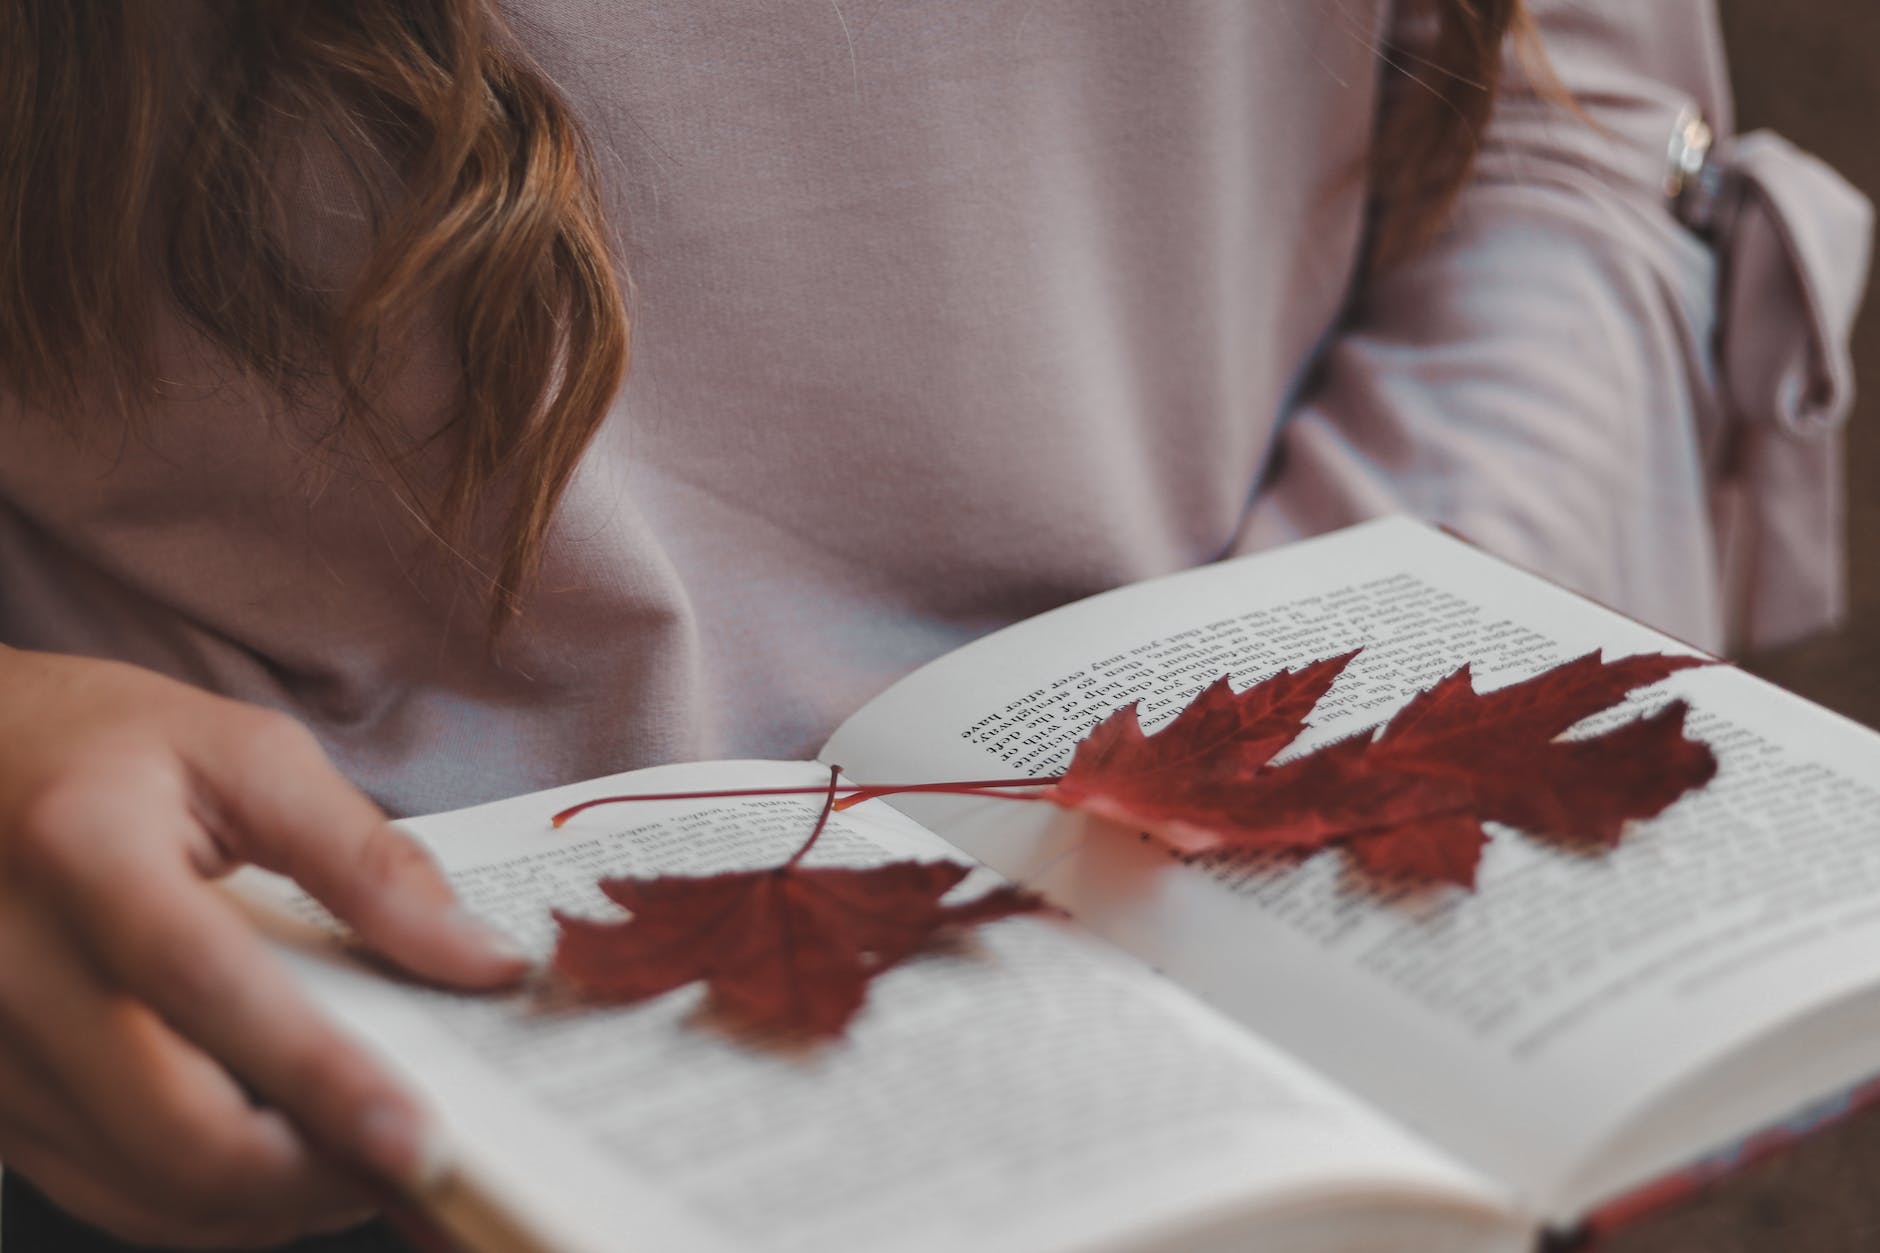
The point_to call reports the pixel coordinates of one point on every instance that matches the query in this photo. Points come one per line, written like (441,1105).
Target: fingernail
(492,940)
(399,1145)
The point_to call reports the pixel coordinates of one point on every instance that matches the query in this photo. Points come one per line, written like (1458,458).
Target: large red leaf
(1409,800)
(788,949)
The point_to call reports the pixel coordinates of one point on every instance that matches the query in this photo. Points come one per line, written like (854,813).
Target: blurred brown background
(1812,71)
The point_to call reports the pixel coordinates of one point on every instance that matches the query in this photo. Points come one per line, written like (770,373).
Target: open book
(1217,1055)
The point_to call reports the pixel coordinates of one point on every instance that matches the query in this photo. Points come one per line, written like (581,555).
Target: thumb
(278,802)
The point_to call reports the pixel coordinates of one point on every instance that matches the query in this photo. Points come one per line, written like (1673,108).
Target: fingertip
(472,952)
(491,940)
(402,1146)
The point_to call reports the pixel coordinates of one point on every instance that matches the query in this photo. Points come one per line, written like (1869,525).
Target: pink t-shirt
(945,314)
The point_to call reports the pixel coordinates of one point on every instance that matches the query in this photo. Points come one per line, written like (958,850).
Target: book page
(1521,1025)
(1027,1088)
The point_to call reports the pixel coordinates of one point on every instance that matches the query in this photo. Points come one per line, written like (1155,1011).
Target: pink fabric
(1794,271)
(1575,380)
(945,314)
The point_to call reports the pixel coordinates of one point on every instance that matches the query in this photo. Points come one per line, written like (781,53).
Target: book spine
(1682,1184)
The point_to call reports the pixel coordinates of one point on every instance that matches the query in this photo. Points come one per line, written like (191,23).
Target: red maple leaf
(1408,801)
(787,950)
(1118,772)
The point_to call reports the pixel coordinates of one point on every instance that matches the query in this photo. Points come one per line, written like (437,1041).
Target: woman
(942,315)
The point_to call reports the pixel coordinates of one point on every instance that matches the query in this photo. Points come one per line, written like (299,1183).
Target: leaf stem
(822,819)
(857,793)
(980,787)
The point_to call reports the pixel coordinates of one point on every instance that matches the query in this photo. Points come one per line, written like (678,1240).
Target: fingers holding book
(159,1074)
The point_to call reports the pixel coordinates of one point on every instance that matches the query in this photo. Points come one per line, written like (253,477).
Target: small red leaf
(789,949)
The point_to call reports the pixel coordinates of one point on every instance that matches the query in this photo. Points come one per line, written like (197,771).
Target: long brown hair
(127,176)
(1439,88)
(126,180)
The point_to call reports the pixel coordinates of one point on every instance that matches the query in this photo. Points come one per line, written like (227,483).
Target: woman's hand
(137,1006)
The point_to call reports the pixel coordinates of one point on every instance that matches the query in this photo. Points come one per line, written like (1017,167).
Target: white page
(1033,1090)
(1519,1025)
